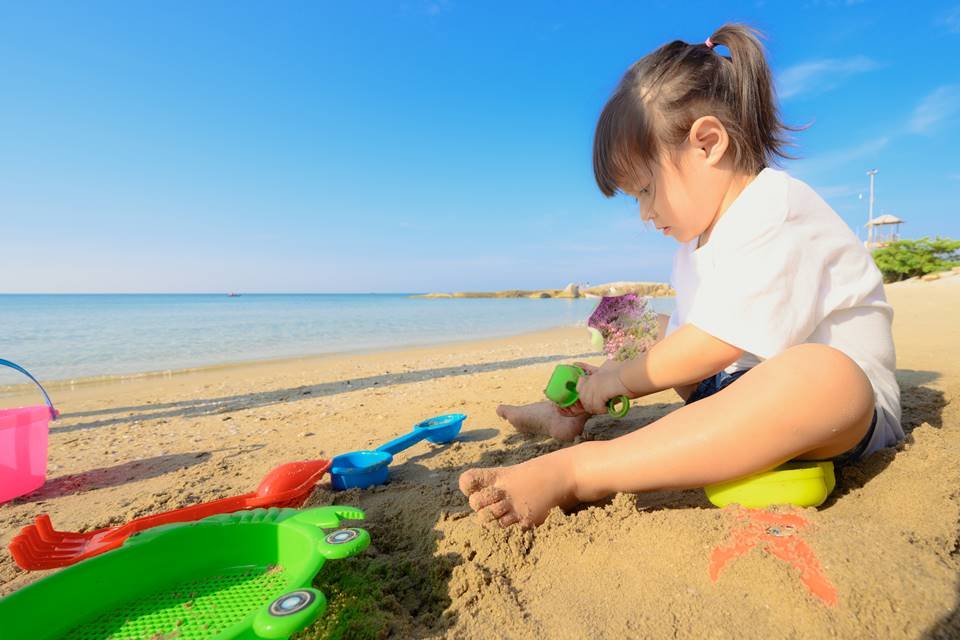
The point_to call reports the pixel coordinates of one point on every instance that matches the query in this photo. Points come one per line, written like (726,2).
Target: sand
(880,560)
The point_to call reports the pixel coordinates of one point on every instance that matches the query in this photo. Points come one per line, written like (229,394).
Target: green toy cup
(562,390)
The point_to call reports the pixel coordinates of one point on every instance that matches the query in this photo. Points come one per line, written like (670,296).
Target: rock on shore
(572,290)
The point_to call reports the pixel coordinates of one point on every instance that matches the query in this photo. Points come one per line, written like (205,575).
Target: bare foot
(520,494)
(544,418)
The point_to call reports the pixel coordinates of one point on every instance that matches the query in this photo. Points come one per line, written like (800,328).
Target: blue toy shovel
(364,469)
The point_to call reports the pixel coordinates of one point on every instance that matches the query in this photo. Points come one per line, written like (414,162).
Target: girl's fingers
(576,409)
(586,400)
(589,368)
(573,410)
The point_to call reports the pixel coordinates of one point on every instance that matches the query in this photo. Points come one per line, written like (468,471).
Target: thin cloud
(843,157)
(830,4)
(936,108)
(950,20)
(837,191)
(437,7)
(819,76)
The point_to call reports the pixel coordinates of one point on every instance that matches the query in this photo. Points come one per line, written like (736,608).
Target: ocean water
(61,337)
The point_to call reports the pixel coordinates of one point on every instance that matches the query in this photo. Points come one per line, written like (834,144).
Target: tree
(911,258)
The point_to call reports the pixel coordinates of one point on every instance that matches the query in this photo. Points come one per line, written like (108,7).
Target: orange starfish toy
(777,534)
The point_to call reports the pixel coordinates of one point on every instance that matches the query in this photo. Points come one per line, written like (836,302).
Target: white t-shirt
(780,269)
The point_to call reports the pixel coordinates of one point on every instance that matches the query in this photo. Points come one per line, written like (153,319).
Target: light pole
(870,173)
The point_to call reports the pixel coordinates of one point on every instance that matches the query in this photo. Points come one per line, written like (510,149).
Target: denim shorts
(722,380)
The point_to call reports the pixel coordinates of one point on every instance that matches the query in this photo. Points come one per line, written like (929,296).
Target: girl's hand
(576,409)
(598,387)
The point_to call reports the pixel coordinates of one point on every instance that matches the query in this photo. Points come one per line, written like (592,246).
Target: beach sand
(880,560)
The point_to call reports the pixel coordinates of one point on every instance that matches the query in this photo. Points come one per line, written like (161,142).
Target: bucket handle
(53,412)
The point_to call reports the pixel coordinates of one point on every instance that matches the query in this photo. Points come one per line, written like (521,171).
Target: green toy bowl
(238,575)
(800,483)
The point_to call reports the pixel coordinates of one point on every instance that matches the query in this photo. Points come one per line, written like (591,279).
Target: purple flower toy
(623,327)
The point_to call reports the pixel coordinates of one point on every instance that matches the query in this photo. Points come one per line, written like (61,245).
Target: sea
(74,336)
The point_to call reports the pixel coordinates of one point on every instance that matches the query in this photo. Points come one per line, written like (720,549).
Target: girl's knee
(834,372)
(826,358)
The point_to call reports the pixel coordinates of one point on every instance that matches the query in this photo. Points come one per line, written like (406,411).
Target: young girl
(780,344)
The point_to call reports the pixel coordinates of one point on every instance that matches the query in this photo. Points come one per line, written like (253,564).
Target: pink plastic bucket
(23,444)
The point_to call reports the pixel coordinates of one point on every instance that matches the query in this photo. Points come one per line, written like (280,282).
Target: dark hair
(663,94)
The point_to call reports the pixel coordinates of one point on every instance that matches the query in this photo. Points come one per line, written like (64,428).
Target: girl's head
(685,126)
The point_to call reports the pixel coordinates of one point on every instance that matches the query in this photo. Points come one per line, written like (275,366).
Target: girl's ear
(709,139)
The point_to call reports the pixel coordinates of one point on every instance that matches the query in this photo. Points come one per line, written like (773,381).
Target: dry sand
(634,566)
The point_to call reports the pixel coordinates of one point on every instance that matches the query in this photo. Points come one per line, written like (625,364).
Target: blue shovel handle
(406,441)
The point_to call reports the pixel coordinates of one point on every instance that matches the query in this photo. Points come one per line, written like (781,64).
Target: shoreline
(66,343)
(26,388)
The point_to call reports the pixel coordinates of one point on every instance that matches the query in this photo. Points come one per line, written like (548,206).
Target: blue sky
(413,146)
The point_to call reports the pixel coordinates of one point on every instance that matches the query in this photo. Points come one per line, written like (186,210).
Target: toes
(485,498)
(503,411)
(501,513)
(495,511)
(476,479)
(510,518)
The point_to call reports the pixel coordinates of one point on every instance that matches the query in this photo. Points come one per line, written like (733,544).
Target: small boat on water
(233,294)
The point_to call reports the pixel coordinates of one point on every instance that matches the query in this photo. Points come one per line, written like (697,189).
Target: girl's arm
(680,360)
(685,357)
(684,390)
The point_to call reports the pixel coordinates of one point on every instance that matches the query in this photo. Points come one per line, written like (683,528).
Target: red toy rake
(40,546)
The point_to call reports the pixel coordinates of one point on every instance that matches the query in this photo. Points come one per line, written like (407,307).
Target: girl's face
(684,196)
(682,200)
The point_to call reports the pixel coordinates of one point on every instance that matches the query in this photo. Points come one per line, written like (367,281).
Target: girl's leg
(811,401)
(544,418)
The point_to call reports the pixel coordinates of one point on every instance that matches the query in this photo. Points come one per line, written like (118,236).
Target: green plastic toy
(562,390)
(237,575)
(800,483)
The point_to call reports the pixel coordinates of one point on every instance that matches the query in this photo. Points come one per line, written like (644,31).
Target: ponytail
(662,95)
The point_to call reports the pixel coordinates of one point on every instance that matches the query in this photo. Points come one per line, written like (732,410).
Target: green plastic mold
(240,575)
(801,483)
(562,390)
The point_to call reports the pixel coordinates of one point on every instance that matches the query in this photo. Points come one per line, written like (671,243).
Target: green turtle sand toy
(562,390)
(239,575)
